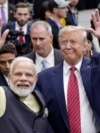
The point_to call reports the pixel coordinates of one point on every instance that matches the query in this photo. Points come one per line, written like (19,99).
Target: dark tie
(21,38)
(73,103)
(3,15)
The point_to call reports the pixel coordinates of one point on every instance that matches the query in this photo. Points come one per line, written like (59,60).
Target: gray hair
(81,31)
(22,59)
(46,25)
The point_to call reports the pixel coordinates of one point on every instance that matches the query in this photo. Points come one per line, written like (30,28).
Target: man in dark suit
(72,14)
(7,54)
(42,49)
(22,24)
(58,10)
(54,85)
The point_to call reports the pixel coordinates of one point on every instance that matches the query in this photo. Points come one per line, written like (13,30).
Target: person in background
(22,25)
(58,10)
(43,54)
(75,110)
(7,54)
(90,46)
(45,13)
(6,11)
(92,24)
(72,14)
(37,9)
(22,108)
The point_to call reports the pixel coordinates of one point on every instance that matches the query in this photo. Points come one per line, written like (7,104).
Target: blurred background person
(36,8)
(89,45)
(6,11)
(45,13)
(72,14)
(21,24)
(58,10)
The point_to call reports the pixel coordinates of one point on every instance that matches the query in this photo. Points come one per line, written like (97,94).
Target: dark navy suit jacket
(50,83)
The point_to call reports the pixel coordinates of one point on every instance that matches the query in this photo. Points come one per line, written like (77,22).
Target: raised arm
(96,21)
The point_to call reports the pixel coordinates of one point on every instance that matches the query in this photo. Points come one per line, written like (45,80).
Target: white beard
(21,92)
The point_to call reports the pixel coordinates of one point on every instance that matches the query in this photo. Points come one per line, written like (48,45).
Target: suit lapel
(86,78)
(59,90)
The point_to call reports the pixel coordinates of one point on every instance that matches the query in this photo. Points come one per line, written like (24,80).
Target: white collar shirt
(49,60)
(24,28)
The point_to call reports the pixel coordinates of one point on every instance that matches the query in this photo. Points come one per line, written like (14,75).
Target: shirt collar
(66,66)
(40,58)
(18,26)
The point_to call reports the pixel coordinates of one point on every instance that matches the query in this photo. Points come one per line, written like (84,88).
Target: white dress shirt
(24,28)
(49,60)
(88,123)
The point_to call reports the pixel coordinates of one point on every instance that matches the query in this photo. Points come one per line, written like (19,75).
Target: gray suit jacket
(57,56)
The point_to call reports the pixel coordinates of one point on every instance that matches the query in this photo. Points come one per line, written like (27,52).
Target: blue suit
(50,83)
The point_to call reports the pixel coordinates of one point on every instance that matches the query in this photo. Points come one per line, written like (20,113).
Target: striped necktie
(73,103)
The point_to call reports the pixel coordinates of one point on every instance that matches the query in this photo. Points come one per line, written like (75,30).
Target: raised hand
(2,35)
(96,22)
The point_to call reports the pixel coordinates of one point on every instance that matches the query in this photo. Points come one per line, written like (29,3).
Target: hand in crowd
(96,22)
(2,35)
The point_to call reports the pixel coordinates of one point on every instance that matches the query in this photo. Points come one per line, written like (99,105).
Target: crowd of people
(49,69)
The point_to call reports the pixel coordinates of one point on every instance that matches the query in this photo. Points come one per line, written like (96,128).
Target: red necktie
(73,103)
(21,39)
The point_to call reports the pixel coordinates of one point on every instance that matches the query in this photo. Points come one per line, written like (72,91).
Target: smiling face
(72,47)
(23,78)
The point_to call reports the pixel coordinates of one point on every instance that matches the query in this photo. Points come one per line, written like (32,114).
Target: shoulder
(95,59)
(30,55)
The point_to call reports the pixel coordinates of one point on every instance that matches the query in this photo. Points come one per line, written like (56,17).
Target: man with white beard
(22,109)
